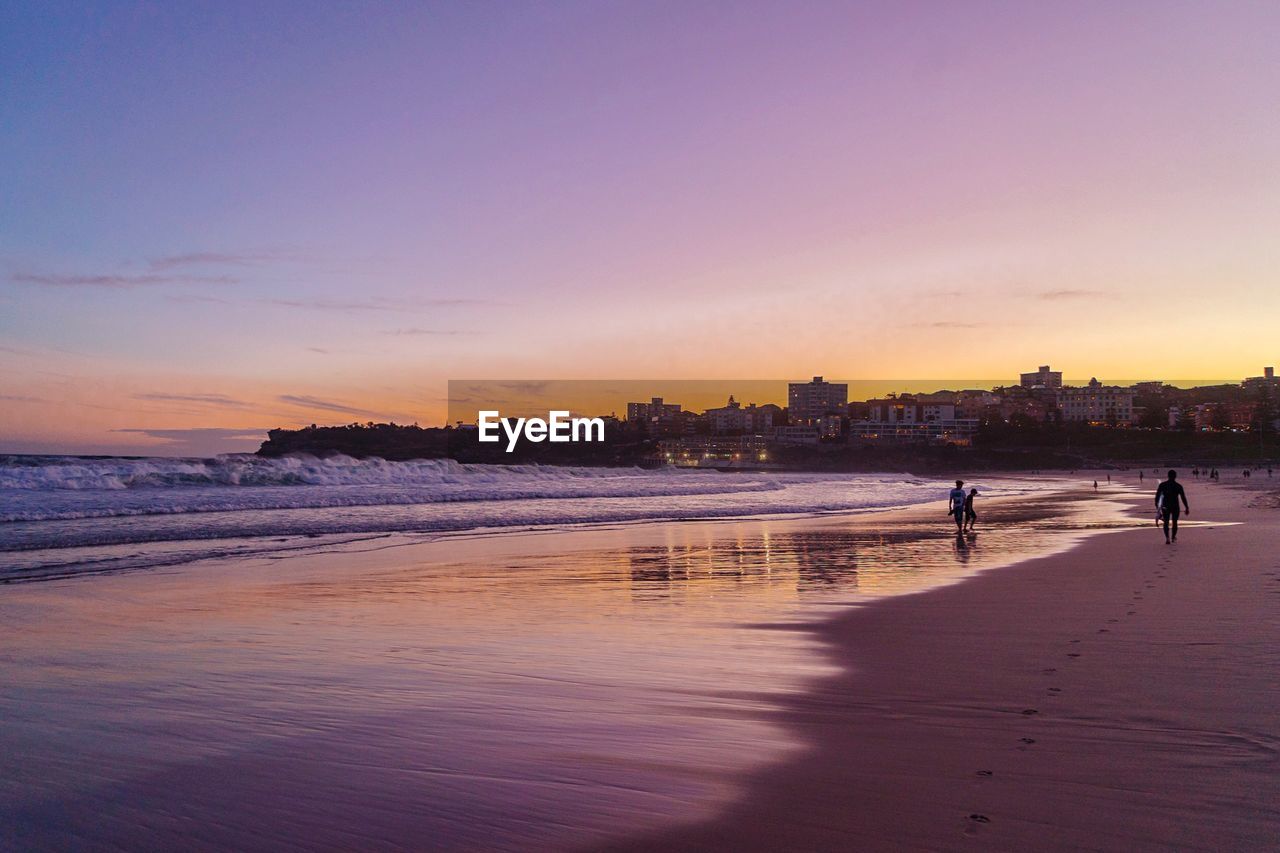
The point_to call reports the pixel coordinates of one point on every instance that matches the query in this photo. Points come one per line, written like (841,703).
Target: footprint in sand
(1132,613)
(1113,621)
(1055,689)
(1073,654)
(1049,671)
(1027,740)
(1104,631)
(1075,641)
(1030,712)
(979,818)
(985,773)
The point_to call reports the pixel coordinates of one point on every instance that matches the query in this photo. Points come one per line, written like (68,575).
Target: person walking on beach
(970,516)
(1168,494)
(955,505)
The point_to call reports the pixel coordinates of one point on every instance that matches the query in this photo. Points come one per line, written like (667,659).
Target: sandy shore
(776,683)
(1120,696)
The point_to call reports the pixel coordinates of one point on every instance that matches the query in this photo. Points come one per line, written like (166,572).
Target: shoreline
(544,691)
(614,685)
(177,551)
(1085,699)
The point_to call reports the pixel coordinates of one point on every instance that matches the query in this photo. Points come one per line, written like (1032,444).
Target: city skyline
(222,219)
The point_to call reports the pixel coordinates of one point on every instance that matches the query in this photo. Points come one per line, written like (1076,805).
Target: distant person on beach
(1141,476)
(1095,485)
(955,505)
(1168,494)
(970,516)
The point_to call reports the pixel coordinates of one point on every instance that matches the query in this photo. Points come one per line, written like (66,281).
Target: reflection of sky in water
(494,691)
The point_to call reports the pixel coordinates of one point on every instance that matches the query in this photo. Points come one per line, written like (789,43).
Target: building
(656,416)
(1268,377)
(909,409)
(735,418)
(653,410)
(909,419)
(1096,403)
(831,427)
(976,403)
(776,413)
(957,431)
(1226,416)
(1023,408)
(809,402)
(1042,378)
(796,434)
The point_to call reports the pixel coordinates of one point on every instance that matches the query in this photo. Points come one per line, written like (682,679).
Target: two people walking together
(960,506)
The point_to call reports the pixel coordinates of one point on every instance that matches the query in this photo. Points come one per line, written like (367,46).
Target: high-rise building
(1042,378)
(809,402)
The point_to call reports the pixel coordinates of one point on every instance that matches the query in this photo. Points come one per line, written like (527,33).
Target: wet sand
(527,690)
(785,683)
(1120,696)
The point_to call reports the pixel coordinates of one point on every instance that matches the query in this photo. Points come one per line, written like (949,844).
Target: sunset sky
(218,218)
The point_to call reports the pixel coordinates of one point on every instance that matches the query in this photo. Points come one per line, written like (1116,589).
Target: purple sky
(236,216)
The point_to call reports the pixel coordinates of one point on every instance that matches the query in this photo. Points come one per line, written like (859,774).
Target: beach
(845,680)
(1120,696)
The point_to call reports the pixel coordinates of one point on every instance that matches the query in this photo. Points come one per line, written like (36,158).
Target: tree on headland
(1154,417)
(1220,418)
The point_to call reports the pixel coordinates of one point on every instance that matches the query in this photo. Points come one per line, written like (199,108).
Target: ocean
(64,515)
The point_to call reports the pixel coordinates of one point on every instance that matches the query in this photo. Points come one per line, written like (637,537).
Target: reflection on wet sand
(500,691)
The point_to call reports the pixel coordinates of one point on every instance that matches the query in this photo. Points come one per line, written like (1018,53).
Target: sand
(776,684)
(1120,696)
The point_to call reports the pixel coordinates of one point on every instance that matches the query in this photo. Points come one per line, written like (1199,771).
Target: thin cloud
(423,333)
(318,349)
(207,399)
(184,435)
(19,398)
(200,441)
(525,387)
(1062,295)
(374,304)
(197,298)
(117,282)
(949,324)
(190,259)
(324,405)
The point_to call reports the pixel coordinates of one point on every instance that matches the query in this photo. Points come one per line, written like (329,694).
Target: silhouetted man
(955,505)
(1167,495)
